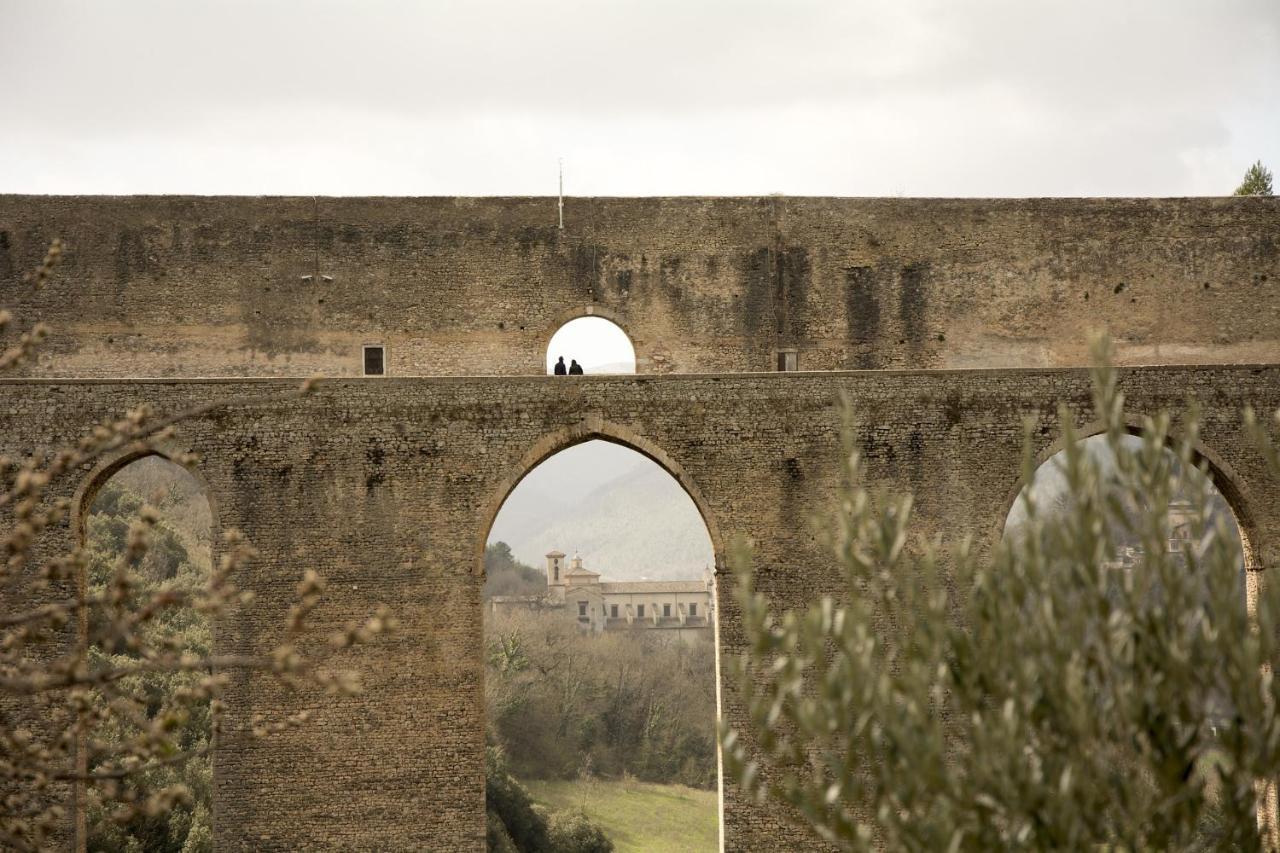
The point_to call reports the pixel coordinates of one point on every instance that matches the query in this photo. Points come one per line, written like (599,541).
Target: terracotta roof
(640,587)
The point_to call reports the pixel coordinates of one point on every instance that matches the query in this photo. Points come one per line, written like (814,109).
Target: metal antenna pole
(560,203)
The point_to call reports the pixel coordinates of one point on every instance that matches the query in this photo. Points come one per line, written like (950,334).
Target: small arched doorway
(601,676)
(598,345)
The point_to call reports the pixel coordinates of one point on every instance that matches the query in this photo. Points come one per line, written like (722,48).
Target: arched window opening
(178,559)
(595,344)
(1050,492)
(600,679)
(1185,545)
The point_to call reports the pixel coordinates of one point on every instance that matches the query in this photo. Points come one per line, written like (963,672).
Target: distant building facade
(1181,536)
(683,608)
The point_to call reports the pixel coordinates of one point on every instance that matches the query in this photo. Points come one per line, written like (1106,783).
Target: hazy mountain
(626,516)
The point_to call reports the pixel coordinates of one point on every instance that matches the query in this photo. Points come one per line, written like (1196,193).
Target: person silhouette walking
(575,369)
(559,370)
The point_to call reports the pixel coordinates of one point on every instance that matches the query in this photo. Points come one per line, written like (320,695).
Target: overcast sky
(640,97)
(597,344)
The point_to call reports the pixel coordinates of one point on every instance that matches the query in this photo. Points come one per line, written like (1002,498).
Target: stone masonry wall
(388,486)
(212,286)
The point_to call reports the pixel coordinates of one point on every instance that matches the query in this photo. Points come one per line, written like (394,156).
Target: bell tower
(555,568)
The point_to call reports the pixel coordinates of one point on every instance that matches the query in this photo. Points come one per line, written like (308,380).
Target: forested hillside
(505,575)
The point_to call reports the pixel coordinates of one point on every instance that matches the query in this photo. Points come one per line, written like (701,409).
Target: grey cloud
(154,60)
(1122,89)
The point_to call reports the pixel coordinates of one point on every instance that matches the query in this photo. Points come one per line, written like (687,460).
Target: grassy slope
(640,817)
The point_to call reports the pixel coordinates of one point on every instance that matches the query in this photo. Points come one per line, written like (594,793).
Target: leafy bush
(497,839)
(1257,181)
(517,825)
(1038,698)
(573,832)
(512,808)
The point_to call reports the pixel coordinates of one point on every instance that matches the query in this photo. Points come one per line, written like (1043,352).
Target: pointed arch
(595,428)
(1221,474)
(112,463)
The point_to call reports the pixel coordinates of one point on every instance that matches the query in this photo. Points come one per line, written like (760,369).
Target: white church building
(686,608)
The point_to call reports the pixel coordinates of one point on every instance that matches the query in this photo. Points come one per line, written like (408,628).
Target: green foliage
(1033,698)
(572,831)
(166,565)
(497,839)
(505,575)
(1257,181)
(516,825)
(629,703)
(512,809)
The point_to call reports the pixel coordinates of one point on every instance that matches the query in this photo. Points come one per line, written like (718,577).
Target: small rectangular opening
(375,360)
(693,610)
(666,611)
(788,359)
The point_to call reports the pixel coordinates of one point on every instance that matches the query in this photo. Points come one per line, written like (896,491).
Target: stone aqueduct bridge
(388,486)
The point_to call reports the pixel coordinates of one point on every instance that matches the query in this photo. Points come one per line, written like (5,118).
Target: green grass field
(640,817)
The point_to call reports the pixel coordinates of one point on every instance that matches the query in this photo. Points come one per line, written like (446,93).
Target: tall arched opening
(1048,488)
(178,560)
(597,345)
(1203,574)
(601,675)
